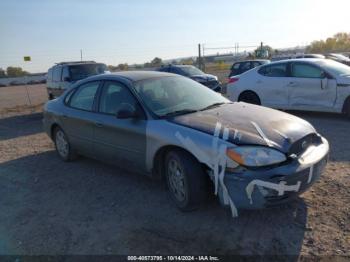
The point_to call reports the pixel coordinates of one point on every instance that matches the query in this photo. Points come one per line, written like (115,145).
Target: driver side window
(306,71)
(114,97)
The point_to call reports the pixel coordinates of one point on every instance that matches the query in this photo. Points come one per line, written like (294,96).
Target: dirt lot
(87,207)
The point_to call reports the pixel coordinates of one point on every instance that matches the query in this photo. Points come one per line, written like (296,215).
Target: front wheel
(187,182)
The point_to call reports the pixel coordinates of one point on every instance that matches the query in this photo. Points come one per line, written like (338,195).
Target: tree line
(12,71)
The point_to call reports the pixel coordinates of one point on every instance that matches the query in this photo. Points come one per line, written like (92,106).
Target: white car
(297,84)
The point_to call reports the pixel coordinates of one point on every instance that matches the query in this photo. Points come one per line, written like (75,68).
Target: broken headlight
(252,156)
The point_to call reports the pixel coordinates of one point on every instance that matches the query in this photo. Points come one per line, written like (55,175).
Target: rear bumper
(256,189)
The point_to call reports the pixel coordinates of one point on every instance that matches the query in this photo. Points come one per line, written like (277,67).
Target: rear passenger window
(84,97)
(235,66)
(56,74)
(255,64)
(245,67)
(276,70)
(306,71)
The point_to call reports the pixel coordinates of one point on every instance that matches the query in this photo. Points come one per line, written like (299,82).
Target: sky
(136,31)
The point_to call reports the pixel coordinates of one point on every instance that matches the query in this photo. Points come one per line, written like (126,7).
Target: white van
(62,75)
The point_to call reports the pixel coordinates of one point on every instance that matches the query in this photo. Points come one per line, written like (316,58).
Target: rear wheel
(249,97)
(187,181)
(63,148)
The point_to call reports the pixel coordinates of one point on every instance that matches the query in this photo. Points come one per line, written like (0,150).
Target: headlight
(255,156)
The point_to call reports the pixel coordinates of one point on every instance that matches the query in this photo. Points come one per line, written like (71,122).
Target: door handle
(98,124)
(65,116)
(292,84)
(259,82)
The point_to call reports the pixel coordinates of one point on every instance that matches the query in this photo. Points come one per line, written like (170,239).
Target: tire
(50,96)
(249,97)
(187,182)
(346,107)
(62,145)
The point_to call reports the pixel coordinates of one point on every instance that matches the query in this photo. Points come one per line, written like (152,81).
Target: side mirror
(127,111)
(126,114)
(66,79)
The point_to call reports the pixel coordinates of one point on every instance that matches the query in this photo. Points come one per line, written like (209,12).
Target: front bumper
(213,85)
(262,188)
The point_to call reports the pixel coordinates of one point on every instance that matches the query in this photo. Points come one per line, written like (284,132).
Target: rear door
(121,141)
(309,87)
(79,117)
(271,85)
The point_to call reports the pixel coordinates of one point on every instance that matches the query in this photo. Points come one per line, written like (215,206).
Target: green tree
(2,73)
(156,61)
(338,43)
(123,66)
(112,68)
(12,71)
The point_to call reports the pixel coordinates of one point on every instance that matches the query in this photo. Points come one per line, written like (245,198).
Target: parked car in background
(298,84)
(195,74)
(310,56)
(165,126)
(293,56)
(339,58)
(16,83)
(62,75)
(243,66)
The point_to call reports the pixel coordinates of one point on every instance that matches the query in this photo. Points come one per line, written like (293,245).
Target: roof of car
(132,75)
(253,60)
(299,60)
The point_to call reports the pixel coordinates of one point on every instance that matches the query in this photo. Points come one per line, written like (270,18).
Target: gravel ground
(88,207)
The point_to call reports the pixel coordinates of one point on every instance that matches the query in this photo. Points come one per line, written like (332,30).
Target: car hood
(203,77)
(344,79)
(250,125)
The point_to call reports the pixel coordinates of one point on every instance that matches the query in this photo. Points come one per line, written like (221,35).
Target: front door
(120,141)
(309,88)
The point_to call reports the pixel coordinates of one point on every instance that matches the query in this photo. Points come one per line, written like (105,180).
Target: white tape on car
(217,162)
(281,187)
(311,171)
(262,134)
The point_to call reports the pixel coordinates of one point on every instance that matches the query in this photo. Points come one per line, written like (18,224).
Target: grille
(302,144)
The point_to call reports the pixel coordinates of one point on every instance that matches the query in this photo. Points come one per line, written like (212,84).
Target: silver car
(168,126)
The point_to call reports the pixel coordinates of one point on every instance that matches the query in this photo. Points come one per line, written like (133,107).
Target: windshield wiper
(212,106)
(180,112)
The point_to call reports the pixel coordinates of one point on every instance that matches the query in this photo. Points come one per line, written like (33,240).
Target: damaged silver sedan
(168,126)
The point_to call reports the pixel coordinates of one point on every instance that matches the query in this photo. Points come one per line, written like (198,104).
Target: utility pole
(203,58)
(199,56)
(81,55)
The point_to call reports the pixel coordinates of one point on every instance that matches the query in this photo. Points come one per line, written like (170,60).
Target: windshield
(335,68)
(191,70)
(78,72)
(176,94)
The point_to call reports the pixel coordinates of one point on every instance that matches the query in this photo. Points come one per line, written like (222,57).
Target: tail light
(232,80)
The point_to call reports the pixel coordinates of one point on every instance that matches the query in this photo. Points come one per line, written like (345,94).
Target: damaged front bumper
(266,187)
